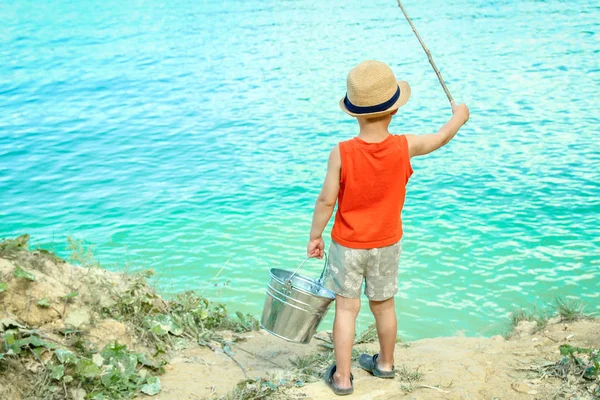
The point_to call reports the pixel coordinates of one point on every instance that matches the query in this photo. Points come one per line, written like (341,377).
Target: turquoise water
(191,137)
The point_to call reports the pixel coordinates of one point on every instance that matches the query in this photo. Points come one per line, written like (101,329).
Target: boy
(367,176)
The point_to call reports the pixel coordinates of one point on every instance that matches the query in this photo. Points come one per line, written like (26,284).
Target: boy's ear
(394,112)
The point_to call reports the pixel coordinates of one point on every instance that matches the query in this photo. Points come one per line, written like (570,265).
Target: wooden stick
(437,71)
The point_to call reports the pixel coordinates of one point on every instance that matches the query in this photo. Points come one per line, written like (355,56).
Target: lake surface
(192,137)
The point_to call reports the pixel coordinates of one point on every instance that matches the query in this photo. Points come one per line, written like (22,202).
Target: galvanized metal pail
(295,305)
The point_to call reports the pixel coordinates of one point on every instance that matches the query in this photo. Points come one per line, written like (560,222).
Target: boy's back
(372,190)
(367,177)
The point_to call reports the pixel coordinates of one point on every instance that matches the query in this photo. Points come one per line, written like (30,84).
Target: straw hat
(372,90)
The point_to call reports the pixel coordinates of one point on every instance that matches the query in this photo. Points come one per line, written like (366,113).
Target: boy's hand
(419,145)
(461,111)
(316,248)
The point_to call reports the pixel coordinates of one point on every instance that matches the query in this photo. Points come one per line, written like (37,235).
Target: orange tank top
(372,190)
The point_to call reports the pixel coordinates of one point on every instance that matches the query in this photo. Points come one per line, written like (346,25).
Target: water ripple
(192,138)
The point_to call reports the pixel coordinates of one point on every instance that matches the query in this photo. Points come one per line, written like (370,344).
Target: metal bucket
(295,305)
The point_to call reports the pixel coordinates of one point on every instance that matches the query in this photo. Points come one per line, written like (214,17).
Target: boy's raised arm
(419,145)
(325,204)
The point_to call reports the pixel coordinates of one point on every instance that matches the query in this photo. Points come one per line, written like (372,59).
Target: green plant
(44,303)
(114,373)
(187,315)
(519,315)
(569,309)
(9,247)
(51,256)
(314,365)
(247,322)
(579,366)
(406,374)
(70,361)
(67,299)
(15,341)
(369,335)
(81,254)
(259,388)
(19,272)
(408,378)
(539,316)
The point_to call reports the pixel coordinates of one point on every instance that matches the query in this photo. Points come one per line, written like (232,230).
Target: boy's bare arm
(325,204)
(419,145)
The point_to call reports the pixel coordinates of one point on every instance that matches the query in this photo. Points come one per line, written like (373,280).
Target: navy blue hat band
(371,109)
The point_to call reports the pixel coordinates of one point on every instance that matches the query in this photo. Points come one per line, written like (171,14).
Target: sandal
(369,363)
(339,391)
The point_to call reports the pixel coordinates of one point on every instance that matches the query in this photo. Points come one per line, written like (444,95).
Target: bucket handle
(288,281)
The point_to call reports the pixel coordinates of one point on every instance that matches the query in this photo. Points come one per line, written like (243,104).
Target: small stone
(525,328)
(553,320)
(78,394)
(77,318)
(98,359)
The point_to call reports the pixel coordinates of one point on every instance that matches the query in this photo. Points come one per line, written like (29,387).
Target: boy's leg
(387,328)
(346,310)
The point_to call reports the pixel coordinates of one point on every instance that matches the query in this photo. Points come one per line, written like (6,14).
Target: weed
(114,373)
(10,247)
(81,254)
(259,388)
(315,364)
(369,335)
(408,378)
(408,375)
(407,387)
(19,272)
(68,298)
(569,309)
(578,366)
(51,256)
(74,363)
(540,317)
(43,302)
(18,250)
(188,315)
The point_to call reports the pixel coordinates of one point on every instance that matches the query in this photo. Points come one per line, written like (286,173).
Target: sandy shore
(36,298)
(449,368)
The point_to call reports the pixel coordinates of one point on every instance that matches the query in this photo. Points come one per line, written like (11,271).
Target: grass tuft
(369,335)
(570,310)
(540,317)
(408,378)
(408,375)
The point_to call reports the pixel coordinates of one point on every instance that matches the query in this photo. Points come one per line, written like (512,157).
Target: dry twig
(432,387)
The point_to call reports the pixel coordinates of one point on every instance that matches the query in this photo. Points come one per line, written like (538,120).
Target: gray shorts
(349,267)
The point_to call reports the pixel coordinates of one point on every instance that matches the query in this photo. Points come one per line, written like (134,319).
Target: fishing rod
(437,71)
